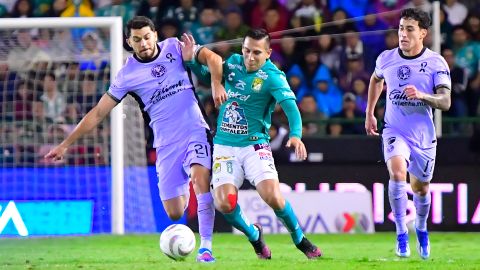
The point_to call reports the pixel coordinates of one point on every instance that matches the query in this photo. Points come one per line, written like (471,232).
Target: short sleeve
(379,66)
(118,89)
(441,75)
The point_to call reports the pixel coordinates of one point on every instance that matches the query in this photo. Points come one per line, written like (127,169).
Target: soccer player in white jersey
(417,80)
(156,76)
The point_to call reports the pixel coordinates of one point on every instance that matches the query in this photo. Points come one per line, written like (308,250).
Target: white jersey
(427,71)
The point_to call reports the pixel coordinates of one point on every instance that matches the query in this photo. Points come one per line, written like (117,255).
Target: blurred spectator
(459,79)
(120,8)
(359,87)
(311,117)
(330,52)
(314,78)
(232,28)
(168,28)
(24,54)
(467,55)
(289,53)
(23,102)
(389,10)
(70,83)
(78,8)
(374,42)
(22,9)
(273,24)
(349,112)
(42,7)
(204,29)
(457,12)
(56,8)
(3,11)
(211,112)
(7,84)
(391,39)
(307,10)
(185,14)
(353,49)
(93,55)
(153,9)
(472,25)
(445,29)
(354,69)
(424,5)
(82,102)
(278,136)
(259,11)
(8,4)
(53,101)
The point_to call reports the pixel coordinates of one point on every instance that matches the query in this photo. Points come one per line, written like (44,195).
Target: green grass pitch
(341,251)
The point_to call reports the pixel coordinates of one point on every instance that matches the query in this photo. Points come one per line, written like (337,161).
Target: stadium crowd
(49,78)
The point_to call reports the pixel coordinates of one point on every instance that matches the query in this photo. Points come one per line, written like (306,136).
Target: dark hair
(50,74)
(258,34)
(422,17)
(138,22)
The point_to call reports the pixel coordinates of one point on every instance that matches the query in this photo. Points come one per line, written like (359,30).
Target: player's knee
(228,204)
(275,201)
(174,214)
(399,174)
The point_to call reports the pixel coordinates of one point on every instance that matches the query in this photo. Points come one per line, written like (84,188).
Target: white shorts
(232,165)
(420,162)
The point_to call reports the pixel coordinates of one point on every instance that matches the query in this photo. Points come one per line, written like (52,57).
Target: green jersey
(245,118)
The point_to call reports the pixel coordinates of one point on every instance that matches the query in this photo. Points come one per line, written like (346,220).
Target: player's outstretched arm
(295,123)
(88,122)
(212,60)
(375,88)
(441,100)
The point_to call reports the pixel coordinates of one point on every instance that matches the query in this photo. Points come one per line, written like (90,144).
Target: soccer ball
(177,241)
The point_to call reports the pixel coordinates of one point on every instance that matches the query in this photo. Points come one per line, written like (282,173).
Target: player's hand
(412,92)
(219,94)
(187,47)
(56,154)
(300,150)
(371,125)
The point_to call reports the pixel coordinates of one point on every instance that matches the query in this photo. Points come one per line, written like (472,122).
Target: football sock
(206,217)
(397,195)
(238,220)
(290,221)
(422,205)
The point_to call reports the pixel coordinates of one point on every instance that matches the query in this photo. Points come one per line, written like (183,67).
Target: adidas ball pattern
(177,241)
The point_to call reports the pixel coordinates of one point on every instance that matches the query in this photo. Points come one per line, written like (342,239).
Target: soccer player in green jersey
(241,145)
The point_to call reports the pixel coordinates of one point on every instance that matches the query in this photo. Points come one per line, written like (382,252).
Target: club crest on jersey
(257,84)
(403,73)
(158,70)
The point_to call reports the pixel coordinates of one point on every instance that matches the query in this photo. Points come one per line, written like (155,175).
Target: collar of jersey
(149,60)
(411,57)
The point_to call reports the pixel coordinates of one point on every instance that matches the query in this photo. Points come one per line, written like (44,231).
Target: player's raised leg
(397,195)
(269,190)
(422,201)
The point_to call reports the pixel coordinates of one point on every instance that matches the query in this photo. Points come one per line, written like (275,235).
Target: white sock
(397,195)
(422,205)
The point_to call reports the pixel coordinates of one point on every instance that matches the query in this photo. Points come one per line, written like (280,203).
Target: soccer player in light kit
(417,80)
(156,76)
(241,145)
